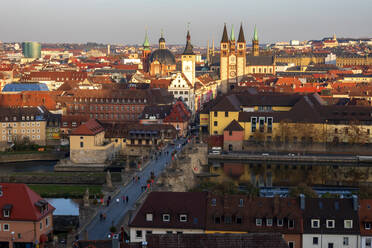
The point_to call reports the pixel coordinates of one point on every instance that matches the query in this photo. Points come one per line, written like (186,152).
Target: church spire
(232,36)
(146,43)
(225,37)
(241,34)
(188,47)
(255,36)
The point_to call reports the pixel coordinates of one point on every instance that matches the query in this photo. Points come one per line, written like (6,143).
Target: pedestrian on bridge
(127,199)
(124,198)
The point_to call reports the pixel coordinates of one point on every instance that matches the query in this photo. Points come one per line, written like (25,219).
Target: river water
(64,206)
(28,166)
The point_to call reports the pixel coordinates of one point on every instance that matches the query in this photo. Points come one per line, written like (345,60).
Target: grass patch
(65,191)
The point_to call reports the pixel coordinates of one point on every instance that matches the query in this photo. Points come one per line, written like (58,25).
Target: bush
(113,229)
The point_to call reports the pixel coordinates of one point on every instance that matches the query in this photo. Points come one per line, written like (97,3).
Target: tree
(303,189)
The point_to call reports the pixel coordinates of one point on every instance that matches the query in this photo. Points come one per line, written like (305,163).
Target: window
(215,123)
(330,245)
(215,114)
(291,244)
(217,220)
(315,240)
(262,124)
(228,219)
(239,220)
(346,241)
(226,114)
(81,144)
(348,224)
(230,133)
(148,217)
(269,222)
(279,222)
(330,223)
(47,221)
(368,242)
(169,232)
(269,124)
(138,234)
(315,223)
(183,218)
(291,223)
(367,226)
(41,225)
(6,213)
(258,222)
(241,202)
(166,217)
(213,202)
(336,130)
(253,124)
(148,232)
(6,227)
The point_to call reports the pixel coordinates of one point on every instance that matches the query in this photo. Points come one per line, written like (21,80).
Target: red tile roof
(31,99)
(91,127)
(22,200)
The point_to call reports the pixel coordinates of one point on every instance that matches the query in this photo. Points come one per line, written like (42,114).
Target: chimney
(355,203)
(115,241)
(302,201)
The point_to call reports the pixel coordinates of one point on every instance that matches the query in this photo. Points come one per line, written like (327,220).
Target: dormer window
(348,224)
(149,217)
(258,222)
(367,226)
(291,224)
(6,213)
(241,202)
(213,202)
(315,223)
(330,223)
(166,217)
(183,218)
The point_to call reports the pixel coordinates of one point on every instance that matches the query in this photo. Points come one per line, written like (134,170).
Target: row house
(112,105)
(302,222)
(36,124)
(26,220)
(288,119)
(182,89)
(137,139)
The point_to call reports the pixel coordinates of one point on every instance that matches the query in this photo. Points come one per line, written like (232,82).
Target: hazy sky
(124,21)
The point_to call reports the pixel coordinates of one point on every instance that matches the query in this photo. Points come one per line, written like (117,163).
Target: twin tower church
(234,60)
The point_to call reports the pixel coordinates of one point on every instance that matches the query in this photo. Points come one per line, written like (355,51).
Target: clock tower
(188,61)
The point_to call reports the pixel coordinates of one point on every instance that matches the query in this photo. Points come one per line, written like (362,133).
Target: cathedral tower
(188,61)
(224,55)
(161,41)
(241,53)
(255,45)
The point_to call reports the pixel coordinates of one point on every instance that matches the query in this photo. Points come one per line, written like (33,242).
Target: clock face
(232,73)
(187,65)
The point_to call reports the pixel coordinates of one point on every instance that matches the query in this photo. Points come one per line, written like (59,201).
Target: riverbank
(66,191)
(10,157)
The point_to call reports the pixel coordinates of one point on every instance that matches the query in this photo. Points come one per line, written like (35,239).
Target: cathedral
(235,62)
(160,62)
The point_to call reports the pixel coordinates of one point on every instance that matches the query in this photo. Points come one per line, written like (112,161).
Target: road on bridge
(99,229)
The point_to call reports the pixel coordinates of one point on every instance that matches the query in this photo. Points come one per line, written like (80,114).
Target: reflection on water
(28,166)
(64,206)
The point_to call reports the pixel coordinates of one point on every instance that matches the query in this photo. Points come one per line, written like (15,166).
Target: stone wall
(36,156)
(98,155)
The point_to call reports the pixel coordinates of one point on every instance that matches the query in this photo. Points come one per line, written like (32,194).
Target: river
(28,166)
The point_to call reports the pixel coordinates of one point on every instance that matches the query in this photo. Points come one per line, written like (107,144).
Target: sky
(125,21)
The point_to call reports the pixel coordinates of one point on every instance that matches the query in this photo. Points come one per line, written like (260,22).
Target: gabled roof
(91,127)
(228,103)
(16,87)
(173,203)
(234,126)
(22,201)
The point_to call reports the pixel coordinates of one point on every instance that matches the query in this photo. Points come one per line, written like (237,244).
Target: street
(99,229)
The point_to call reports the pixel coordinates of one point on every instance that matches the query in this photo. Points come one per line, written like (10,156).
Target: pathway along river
(28,166)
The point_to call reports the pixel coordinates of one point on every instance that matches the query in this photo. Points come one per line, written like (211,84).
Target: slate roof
(164,56)
(259,60)
(22,200)
(332,209)
(89,128)
(241,35)
(174,204)
(160,111)
(17,87)
(251,240)
(261,207)
(234,126)
(225,37)
(34,114)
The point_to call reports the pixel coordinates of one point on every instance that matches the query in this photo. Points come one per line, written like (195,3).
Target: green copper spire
(255,36)
(146,43)
(232,36)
